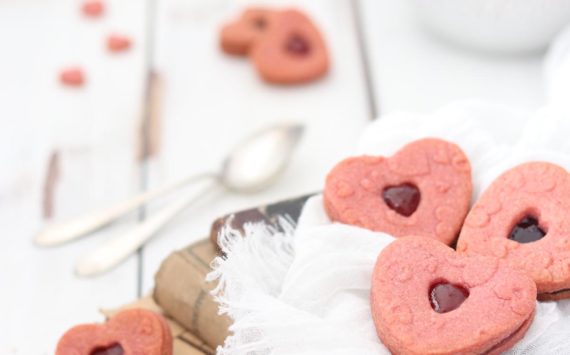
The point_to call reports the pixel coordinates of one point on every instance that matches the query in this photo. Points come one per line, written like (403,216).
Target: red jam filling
(445,297)
(527,231)
(403,199)
(297,46)
(114,349)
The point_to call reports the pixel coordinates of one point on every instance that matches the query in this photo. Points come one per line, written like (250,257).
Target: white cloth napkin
(306,291)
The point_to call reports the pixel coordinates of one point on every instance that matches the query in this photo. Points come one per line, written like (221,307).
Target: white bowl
(496,25)
(557,69)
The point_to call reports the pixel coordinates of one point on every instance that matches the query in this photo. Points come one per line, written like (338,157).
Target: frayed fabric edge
(249,275)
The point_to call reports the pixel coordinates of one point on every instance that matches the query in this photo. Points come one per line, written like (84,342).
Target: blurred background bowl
(506,26)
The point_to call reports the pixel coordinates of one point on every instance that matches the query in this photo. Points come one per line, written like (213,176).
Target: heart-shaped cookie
(522,218)
(428,299)
(130,332)
(292,51)
(284,45)
(238,37)
(424,189)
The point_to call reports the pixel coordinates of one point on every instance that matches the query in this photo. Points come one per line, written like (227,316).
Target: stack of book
(182,294)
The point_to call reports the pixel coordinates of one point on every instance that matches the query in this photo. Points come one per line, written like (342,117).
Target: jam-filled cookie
(284,45)
(292,52)
(130,332)
(428,299)
(522,218)
(424,189)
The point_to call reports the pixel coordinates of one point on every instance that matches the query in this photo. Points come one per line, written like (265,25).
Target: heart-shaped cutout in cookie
(113,349)
(424,189)
(238,37)
(527,230)
(130,332)
(428,299)
(445,296)
(292,52)
(403,198)
(521,218)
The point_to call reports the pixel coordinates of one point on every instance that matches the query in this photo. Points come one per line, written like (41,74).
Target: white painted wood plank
(94,130)
(414,70)
(212,100)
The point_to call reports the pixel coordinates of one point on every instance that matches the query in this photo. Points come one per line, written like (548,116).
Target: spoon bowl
(259,160)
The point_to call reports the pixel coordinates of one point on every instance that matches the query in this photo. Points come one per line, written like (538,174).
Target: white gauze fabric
(306,290)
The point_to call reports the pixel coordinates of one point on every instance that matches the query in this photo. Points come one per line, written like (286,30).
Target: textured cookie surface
(487,311)
(130,332)
(356,191)
(522,218)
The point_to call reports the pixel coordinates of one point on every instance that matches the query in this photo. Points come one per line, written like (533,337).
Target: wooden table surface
(67,151)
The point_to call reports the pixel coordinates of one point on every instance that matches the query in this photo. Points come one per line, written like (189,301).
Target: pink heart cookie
(428,299)
(424,189)
(293,52)
(285,46)
(522,218)
(238,37)
(130,332)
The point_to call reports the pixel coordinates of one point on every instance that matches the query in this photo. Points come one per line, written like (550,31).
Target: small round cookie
(522,218)
(428,299)
(238,37)
(292,52)
(130,332)
(424,189)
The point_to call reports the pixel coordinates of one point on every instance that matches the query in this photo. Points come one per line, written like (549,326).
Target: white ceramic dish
(508,26)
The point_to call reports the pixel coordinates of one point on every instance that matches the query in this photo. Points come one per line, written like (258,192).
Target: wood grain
(52,176)
(93,130)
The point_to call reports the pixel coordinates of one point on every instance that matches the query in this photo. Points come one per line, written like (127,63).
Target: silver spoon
(252,166)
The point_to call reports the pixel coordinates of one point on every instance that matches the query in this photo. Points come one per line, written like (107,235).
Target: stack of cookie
(513,246)
(284,45)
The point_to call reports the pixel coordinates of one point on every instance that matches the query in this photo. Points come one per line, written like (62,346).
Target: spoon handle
(117,249)
(59,233)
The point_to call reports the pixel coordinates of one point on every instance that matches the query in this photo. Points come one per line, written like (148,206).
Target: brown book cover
(183,294)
